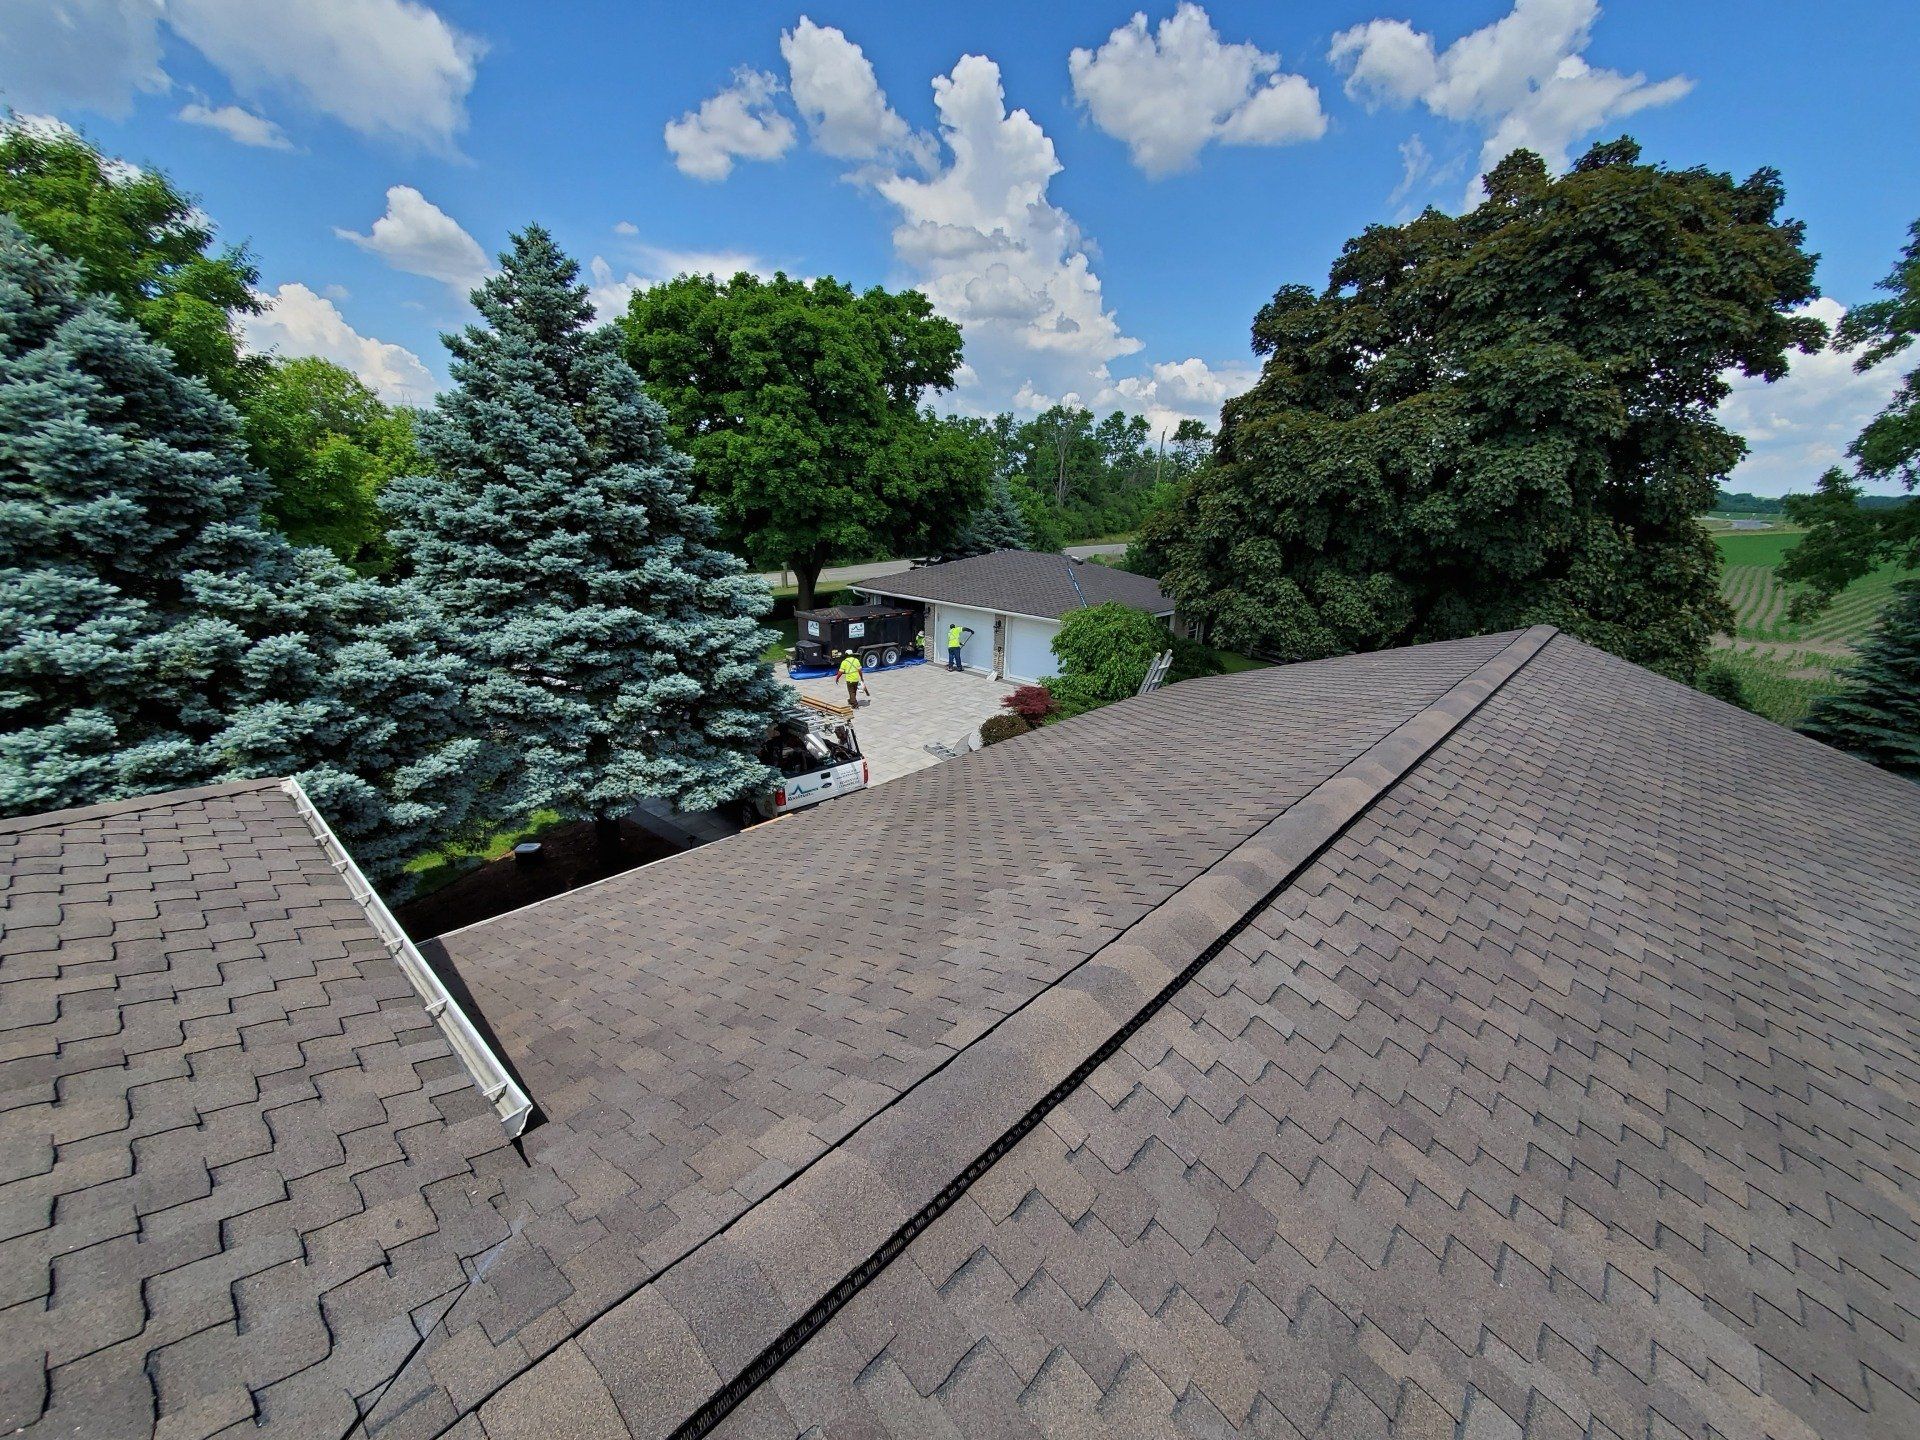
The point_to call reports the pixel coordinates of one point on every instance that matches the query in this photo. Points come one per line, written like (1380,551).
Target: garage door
(1030,648)
(977,653)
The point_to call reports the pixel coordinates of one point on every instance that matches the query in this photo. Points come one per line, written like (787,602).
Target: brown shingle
(1023,582)
(1468,1068)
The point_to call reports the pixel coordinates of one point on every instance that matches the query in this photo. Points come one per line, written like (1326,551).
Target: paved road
(853,574)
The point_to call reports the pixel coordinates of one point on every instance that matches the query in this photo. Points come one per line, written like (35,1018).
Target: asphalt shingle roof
(1023,582)
(1485,1038)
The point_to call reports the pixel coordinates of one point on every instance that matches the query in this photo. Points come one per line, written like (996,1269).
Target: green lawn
(438,867)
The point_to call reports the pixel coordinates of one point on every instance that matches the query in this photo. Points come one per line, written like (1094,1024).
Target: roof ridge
(909,1161)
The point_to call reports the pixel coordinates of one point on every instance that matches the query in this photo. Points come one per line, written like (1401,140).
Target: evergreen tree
(154,635)
(622,647)
(1878,716)
(996,525)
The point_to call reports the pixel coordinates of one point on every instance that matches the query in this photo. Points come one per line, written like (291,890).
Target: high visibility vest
(850,669)
(953,637)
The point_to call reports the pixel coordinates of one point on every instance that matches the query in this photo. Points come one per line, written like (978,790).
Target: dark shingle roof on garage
(1023,582)
(1459,1038)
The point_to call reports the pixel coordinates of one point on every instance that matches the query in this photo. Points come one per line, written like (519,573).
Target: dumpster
(879,634)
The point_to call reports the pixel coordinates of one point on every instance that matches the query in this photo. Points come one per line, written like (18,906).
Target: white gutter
(509,1101)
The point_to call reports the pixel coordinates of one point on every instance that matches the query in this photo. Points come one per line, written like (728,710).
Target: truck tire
(872,657)
(892,657)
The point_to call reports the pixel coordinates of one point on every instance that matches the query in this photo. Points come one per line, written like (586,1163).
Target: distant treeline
(1739,502)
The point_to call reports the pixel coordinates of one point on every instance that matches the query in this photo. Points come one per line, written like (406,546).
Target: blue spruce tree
(154,635)
(621,647)
(996,525)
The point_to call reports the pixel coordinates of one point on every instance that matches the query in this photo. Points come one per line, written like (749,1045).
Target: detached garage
(1013,602)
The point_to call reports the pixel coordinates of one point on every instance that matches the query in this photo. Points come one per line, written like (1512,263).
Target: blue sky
(1103,202)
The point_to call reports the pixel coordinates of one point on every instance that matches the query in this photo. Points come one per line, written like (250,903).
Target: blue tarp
(808,672)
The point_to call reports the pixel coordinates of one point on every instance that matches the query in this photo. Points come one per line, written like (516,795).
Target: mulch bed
(570,856)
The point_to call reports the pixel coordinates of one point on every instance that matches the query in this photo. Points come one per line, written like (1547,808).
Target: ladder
(1156,673)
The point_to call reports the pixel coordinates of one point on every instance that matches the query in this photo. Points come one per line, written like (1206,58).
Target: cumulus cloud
(1521,78)
(1799,426)
(417,236)
(243,127)
(739,123)
(299,322)
(80,54)
(1168,92)
(1180,389)
(837,95)
(609,292)
(392,69)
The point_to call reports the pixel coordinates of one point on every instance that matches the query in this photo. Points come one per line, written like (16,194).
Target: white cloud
(609,292)
(738,123)
(417,236)
(391,69)
(1797,427)
(1415,161)
(1167,93)
(299,322)
(626,227)
(979,236)
(1521,78)
(837,95)
(386,68)
(1179,390)
(80,54)
(241,126)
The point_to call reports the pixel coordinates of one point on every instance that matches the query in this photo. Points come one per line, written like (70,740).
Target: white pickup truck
(817,759)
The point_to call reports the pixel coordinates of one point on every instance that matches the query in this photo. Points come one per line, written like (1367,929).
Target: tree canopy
(154,635)
(620,647)
(799,402)
(141,241)
(330,446)
(1847,538)
(1500,418)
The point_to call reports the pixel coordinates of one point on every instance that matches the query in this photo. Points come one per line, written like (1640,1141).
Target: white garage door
(1030,648)
(977,652)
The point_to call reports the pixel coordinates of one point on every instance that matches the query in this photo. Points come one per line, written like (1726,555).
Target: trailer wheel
(872,657)
(892,657)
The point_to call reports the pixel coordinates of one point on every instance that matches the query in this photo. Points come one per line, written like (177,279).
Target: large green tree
(995,524)
(1877,714)
(139,239)
(621,646)
(154,634)
(799,402)
(1845,539)
(330,445)
(1499,418)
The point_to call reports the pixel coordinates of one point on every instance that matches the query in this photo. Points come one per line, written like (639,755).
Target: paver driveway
(910,707)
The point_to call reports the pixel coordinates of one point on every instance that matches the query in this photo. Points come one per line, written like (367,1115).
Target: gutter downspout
(1074,579)
(508,1100)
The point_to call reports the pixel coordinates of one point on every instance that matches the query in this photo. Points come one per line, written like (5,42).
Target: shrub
(1032,703)
(1723,682)
(1002,727)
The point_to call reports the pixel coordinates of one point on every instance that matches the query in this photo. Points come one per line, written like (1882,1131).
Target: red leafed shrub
(1032,703)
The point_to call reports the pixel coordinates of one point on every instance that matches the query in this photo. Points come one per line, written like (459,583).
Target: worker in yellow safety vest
(954,641)
(850,672)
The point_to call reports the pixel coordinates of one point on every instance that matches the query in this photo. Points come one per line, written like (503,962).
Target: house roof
(1023,582)
(1458,1037)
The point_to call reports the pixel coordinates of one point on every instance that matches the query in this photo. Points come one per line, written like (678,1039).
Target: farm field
(1759,599)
